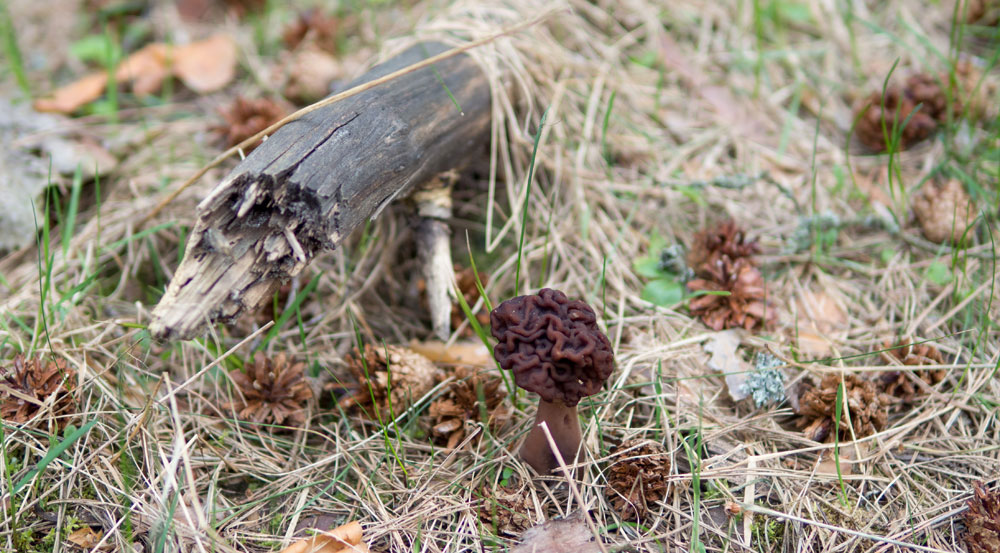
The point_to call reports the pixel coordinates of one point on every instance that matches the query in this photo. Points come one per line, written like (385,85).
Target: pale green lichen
(766,384)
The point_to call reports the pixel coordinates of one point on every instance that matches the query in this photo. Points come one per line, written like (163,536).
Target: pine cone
(273,391)
(898,106)
(389,384)
(245,117)
(744,306)
(982,521)
(313,27)
(38,380)
(460,403)
(638,477)
(898,383)
(867,405)
(926,90)
(973,90)
(711,244)
(944,211)
(506,510)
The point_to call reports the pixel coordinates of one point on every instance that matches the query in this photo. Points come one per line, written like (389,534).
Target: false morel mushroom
(554,348)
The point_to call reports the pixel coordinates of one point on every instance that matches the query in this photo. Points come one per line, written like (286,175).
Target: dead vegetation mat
(661,119)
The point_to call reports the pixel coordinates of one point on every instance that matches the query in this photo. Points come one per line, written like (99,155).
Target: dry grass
(721,110)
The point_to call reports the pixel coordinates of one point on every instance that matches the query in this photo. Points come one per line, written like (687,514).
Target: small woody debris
(866,412)
(389,380)
(29,384)
(465,280)
(271,391)
(637,478)
(982,521)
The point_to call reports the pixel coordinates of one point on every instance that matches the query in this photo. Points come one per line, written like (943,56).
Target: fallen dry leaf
(203,66)
(146,69)
(567,535)
(74,95)
(315,28)
(343,539)
(459,353)
(722,345)
(85,537)
(206,65)
(821,322)
(310,72)
(847,457)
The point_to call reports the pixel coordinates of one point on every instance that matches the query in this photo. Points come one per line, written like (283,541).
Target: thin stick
(572,486)
(341,96)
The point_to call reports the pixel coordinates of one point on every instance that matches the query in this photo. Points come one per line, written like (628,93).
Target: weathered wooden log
(316,179)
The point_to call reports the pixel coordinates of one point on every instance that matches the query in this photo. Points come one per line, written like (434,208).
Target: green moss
(768,534)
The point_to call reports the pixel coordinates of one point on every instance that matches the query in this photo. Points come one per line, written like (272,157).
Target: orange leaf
(206,65)
(146,69)
(458,353)
(85,537)
(343,539)
(74,95)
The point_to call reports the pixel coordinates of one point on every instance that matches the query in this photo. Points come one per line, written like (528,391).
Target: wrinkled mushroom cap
(552,345)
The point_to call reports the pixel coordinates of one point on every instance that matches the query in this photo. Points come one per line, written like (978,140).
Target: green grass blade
(604,129)
(52,454)
(287,314)
(69,223)
(8,35)
(836,441)
(524,207)
(138,236)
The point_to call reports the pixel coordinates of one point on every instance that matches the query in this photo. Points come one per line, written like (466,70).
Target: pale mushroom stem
(564,425)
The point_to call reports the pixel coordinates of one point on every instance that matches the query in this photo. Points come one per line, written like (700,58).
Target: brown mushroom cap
(552,345)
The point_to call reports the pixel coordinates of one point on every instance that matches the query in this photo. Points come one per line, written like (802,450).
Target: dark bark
(318,178)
